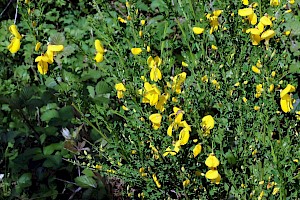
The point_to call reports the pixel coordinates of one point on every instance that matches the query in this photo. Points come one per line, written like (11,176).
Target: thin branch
(16,14)
(6,7)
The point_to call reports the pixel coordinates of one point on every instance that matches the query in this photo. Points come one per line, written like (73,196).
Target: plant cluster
(153,99)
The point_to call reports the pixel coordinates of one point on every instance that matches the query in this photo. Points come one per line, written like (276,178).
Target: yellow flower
(208,122)
(15,43)
(245,12)
(245,100)
(198,30)
(267,35)
(148,49)
(143,22)
(100,51)
(256,108)
(273,73)
(99,47)
(265,21)
(37,46)
(271,88)
(120,90)
(184,136)
(286,103)
(155,73)
(122,20)
(99,57)
(156,120)
(14,30)
(186,182)
(212,174)
(249,13)
(55,48)
(42,65)
(259,90)
(178,81)
(217,180)
(275,190)
(214,47)
(287,33)
(197,149)
(274,2)
(125,108)
(255,70)
(184,64)
(289,88)
(212,161)
(140,33)
(162,100)
(151,94)
(245,2)
(214,22)
(204,79)
(156,180)
(136,51)
(292,1)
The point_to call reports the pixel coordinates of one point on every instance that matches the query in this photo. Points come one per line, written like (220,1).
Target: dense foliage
(153,99)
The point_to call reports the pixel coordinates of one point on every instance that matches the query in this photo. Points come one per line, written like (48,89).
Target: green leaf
(295,67)
(48,150)
(25,180)
(50,82)
(91,91)
(85,182)
(66,113)
(102,88)
(88,172)
(91,75)
(49,114)
(53,161)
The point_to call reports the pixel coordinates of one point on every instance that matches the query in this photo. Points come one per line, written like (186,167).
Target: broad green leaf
(48,115)
(85,182)
(25,180)
(48,150)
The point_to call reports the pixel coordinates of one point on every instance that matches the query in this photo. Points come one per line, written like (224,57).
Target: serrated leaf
(85,182)
(57,39)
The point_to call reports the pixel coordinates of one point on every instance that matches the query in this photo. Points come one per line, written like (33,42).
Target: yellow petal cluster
(120,90)
(207,124)
(136,51)
(286,101)
(178,80)
(156,120)
(15,42)
(100,51)
(212,163)
(48,58)
(213,20)
(154,63)
(156,180)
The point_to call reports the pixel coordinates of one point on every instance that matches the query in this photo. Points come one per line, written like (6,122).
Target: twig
(16,14)
(6,7)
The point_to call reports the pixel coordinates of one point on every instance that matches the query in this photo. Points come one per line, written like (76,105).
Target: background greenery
(100,154)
